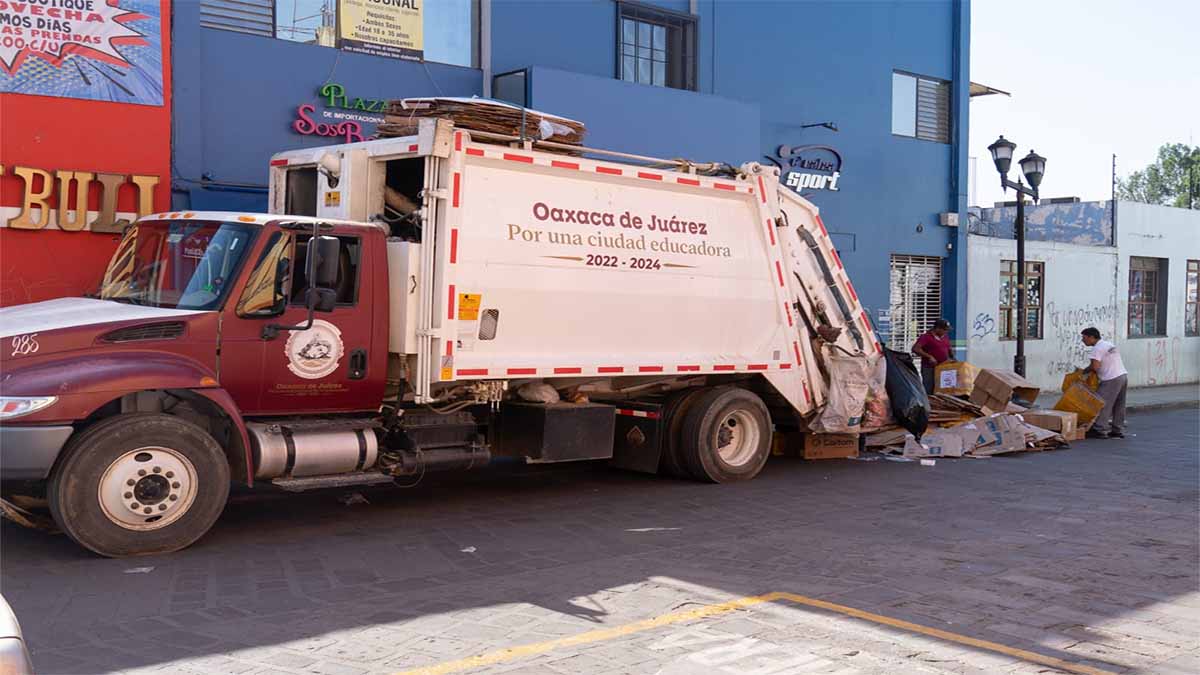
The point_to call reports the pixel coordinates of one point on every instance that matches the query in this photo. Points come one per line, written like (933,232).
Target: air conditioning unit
(948,219)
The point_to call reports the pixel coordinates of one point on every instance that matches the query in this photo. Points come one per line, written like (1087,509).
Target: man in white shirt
(1106,363)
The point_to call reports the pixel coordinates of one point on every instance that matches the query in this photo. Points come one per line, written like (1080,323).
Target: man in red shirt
(933,347)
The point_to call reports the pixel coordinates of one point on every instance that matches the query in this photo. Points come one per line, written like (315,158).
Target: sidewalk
(1144,398)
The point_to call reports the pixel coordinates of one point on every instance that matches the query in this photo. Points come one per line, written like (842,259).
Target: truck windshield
(184,264)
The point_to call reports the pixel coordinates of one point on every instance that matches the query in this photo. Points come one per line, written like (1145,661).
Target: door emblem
(314,353)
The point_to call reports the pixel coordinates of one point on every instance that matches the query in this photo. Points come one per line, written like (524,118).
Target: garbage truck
(419,304)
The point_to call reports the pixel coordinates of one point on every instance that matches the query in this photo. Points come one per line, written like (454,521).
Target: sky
(1089,78)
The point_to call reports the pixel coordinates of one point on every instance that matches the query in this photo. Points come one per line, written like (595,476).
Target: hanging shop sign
(72,215)
(808,169)
(337,115)
(392,28)
(103,50)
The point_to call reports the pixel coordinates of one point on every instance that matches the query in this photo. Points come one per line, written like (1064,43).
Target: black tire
(731,419)
(74,490)
(675,409)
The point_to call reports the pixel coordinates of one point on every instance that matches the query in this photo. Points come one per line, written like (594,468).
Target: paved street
(1082,558)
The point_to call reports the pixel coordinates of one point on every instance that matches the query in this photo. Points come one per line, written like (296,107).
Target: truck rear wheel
(675,410)
(726,435)
(139,484)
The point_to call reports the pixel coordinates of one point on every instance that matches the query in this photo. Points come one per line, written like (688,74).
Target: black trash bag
(910,405)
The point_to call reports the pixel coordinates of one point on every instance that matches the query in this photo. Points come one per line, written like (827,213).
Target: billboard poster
(392,28)
(100,50)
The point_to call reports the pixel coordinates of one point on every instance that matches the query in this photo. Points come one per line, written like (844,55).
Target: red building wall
(72,134)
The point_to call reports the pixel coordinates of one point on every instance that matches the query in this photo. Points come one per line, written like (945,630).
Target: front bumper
(28,453)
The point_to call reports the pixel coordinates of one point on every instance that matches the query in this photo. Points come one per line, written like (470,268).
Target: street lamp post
(1033,166)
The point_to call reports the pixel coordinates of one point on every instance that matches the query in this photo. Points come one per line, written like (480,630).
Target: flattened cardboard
(937,443)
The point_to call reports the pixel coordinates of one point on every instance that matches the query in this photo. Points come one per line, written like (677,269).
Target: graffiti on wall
(1163,361)
(1063,326)
(983,326)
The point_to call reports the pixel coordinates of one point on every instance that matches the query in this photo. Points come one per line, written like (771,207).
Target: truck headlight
(19,406)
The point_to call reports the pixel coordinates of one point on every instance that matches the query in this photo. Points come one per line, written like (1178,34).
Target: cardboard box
(830,446)
(993,435)
(1082,401)
(1000,387)
(1062,421)
(955,378)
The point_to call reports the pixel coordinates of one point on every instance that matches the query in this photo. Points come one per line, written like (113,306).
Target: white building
(1137,285)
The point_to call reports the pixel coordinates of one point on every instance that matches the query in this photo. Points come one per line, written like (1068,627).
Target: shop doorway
(915,298)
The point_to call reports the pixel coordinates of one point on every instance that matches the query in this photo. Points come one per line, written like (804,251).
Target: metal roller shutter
(916,298)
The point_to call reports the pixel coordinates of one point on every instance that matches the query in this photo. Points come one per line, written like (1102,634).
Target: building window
(448,29)
(1147,297)
(1035,275)
(916,298)
(656,47)
(1191,311)
(920,107)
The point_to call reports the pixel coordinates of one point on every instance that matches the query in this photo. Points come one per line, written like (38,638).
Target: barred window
(1191,322)
(656,47)
(1035,296)
(1147,297)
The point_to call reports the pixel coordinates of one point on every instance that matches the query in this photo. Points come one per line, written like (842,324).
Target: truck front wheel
(139,484)
(726,435)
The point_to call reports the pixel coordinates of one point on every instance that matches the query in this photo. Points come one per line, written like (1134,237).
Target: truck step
(332,481)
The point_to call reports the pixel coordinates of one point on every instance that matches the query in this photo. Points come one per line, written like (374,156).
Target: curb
(1163,405)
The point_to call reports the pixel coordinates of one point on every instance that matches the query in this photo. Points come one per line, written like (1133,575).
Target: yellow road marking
(600,635)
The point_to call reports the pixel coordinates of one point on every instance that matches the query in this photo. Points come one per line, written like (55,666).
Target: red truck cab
(195,328)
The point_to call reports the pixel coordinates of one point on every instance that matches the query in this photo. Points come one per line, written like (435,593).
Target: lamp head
(1002,152)
(1033,166)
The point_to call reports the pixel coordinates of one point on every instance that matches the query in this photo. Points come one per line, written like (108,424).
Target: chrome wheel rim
(148,488)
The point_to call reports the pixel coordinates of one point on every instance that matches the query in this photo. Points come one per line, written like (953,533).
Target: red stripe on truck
(450,304)
(467,372)
(279,162)
(649,176)
(762,191)
(836,258)
(758,366)
(725,186)
(475,151)
(850,287)
(458,141)
(770,229)
(779,271)
(449,347)
(457,188)
(564,165)
(789,312)
(568,371)
(518,158)
(688,181)
(785,366)
(650,369)
(796,348)
(413,148)
(453,244)
(522,371)
(637,413)
(608,170)
(610,369)
(688,368)
(725,366)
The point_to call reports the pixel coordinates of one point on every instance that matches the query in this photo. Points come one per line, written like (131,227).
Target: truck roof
(251,218)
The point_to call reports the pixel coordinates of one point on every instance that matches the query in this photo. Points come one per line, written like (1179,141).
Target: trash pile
(978,412)
(479,114)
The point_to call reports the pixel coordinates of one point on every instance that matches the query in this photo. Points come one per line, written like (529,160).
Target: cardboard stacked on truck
(994,389)
(955,378)
(482,115)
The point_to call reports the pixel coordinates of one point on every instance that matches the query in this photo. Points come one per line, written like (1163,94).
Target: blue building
(863,104)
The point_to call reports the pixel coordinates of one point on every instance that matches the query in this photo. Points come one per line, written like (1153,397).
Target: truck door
(326,368)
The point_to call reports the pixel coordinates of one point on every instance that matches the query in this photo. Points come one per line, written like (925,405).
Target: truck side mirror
(325,265)
(321,299)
